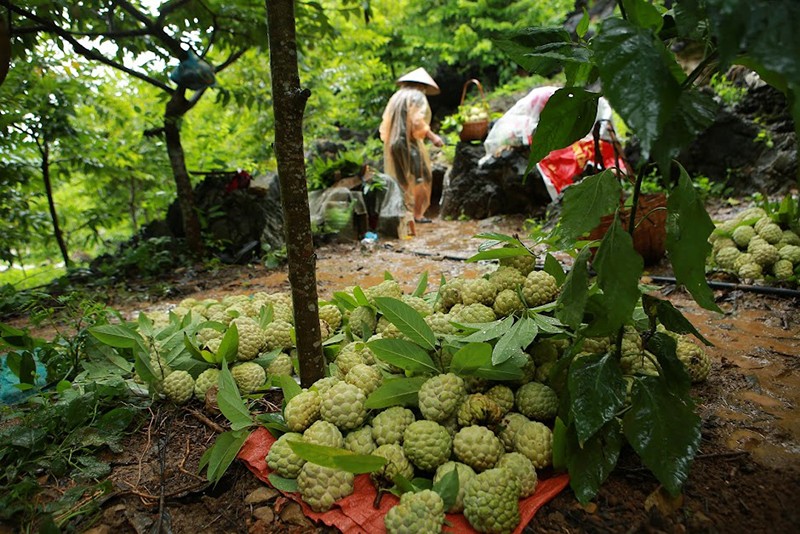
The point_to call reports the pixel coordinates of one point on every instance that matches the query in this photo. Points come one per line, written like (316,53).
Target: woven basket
(650,235)
(473,131)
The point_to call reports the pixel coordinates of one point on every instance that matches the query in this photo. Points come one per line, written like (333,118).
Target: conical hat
(420,75)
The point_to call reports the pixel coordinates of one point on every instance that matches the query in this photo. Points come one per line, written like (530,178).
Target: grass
(31,276)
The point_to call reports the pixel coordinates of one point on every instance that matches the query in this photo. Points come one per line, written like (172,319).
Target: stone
(260,495)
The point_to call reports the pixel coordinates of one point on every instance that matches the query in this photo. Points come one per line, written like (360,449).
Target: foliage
(726,90)
(656,99)
(85,407)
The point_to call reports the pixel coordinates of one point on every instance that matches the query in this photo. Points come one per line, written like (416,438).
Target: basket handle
(466,85)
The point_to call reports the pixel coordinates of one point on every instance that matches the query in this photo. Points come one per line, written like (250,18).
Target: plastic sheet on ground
(355,513)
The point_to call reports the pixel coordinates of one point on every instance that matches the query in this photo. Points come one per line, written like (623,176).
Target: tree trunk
(48,187)
(177,106)
(289,103)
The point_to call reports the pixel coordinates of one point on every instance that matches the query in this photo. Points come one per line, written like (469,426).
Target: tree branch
(168,7)
(81,49)
(232,58)
(173,44)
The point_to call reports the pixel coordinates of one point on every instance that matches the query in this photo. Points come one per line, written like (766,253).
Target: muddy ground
(746,477)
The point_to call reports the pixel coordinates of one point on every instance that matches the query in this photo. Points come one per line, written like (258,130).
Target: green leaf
(643,14)
(288,385)
(387,275)
(397,392)
(589,465)
(345,300)
(336,458)
(230,401)
(618,267)
(673,372)
(361,298)
(498,253)
(222,454)
(688,228)
(229,346)
(118,336)
(286,485)
(273,422)
(422,285)
(475,359)
(568,116)
(554,269)
(489,331)
(545,323)
(597,390)
(502,238)
(541,50)
(408,321)
(583,24)
(664,430)
(404,354)
(571,303)
(585,203)
(672,319)
(447,488)
(694,112)
(637,79)
(515,341)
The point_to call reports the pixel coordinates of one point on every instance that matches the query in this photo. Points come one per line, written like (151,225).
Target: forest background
(95,130)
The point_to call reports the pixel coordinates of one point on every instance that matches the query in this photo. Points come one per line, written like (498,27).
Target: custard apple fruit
(439,396)
(251,338)
(491,502)
(281,365)
(390,425)
(478,447)
(537,401)
(344,405)
(507,303)
(331,315)
(282,459)
(279,335)
(694,360)
(540,288)
(478,409)
(508,427)
(465,474)
(360,440)
(322,486)
(474,313)
(302,410)
(742,235)
(535,441)
(522,468)
(205,380)
(416,513)
(503,396)
(249,376)
(324,433)
(427,444)
(396,464)
(524,264)
(178,386)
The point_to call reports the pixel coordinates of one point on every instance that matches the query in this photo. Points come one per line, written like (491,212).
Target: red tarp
(355,513)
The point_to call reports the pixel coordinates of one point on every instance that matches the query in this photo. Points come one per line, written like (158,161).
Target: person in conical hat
(404,129)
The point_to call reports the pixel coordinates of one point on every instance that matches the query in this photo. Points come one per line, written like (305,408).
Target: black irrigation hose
(762,290)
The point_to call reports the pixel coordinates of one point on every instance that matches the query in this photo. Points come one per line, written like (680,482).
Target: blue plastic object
(9,392)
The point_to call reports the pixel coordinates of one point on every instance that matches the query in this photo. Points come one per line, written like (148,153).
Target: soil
(746,477)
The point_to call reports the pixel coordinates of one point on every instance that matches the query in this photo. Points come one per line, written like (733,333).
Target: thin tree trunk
(132,204)
(289,103)
(48,187)
(177,107)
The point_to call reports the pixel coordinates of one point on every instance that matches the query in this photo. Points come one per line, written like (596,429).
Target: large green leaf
(475,359)
(688,228)
(618,268)
(489,331)
(643,14)
(288,385)
(637,79)
(597,390)
(541,50)
(663,429)
(694,112)
(672,319)
(408,321)
(585,203)
(404,354)
(590,464)
(336,458)
(220,456)
(571,303)
(554,269)
(673,372)
(447,487)
(499,253)
(397,392)
(118,336)
(515,341)
(229,346)
(230,401)
(568,116)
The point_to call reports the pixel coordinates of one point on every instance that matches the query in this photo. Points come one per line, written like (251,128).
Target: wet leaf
(220,456)
(568,115)
(688,228)
(286,485)
(336,458)
(589,465)
(554,269)
(663,429)
(118,336)
(422,285)
(230,401)
(514,341)
(475,359)
(597,390)
(575,292)
(489,331)
(585,203)
(229,346)
(672,319)
(447,488)
(499,253)
(288,385)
